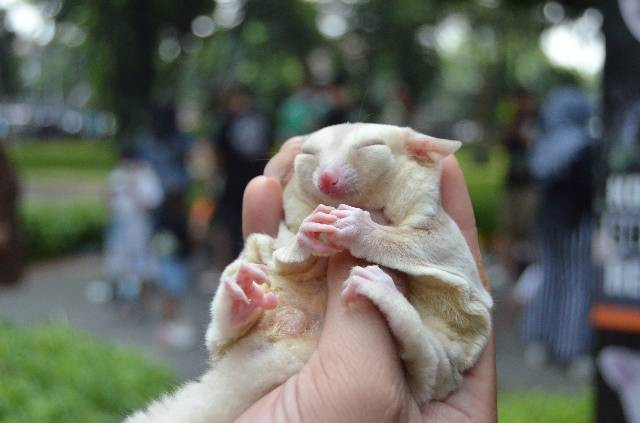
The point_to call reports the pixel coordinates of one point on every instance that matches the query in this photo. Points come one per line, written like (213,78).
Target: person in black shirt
(242,144)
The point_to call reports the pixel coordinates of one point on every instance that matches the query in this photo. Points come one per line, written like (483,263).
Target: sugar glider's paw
(316,230)
(246,296)
(352,223)
(363,281)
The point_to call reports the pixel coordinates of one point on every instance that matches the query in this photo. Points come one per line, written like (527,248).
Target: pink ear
(424,147)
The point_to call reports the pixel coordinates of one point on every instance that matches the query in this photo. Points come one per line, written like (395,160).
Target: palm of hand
(346,379)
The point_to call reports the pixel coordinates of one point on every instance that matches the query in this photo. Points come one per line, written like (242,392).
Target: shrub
(486,186)
(55,229)
(55,374)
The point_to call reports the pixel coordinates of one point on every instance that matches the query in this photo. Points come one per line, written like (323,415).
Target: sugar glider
(372,190)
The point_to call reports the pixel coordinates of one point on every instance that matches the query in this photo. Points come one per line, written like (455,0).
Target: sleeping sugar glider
(372,190)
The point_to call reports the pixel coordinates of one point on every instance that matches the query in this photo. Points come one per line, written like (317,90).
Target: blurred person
(556,320)
(10,248)
(520,195)
(167,149)
(133,191)
(242,144)
(340,106)
(302,111)
(399,109)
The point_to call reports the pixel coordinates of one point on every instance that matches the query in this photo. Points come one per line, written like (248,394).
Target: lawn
(64,154)
(54,374)
(543,407)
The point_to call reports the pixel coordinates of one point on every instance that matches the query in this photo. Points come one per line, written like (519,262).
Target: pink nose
(328,181)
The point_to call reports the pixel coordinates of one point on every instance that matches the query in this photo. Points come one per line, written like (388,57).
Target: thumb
(262,206)
(358,350)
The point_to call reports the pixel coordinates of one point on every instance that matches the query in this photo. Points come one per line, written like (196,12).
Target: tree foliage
(270,44)
(123,38)
(8,63)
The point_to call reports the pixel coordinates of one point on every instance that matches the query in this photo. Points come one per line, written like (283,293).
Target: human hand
(346,378)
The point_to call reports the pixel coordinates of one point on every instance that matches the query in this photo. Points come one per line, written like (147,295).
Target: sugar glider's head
(342,163)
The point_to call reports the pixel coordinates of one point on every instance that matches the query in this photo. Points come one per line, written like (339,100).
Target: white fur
(442,324)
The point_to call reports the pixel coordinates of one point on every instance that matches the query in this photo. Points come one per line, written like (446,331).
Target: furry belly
(300,311)
(290,321)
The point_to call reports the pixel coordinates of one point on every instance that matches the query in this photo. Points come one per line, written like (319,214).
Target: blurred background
(128,130)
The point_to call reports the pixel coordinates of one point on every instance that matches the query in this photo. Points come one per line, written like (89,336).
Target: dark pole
(616,312)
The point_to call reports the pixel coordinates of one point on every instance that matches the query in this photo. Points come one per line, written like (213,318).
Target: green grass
(65,176)
(67,155)
(541,407)
(64,161)
(55,374)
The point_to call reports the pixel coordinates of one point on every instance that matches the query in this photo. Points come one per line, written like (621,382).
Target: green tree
(8,63)
(122,45)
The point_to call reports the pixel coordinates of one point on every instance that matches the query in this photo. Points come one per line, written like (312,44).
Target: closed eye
(308,151)
(370,143)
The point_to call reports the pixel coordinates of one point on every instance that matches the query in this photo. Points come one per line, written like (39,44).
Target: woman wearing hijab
(556,321)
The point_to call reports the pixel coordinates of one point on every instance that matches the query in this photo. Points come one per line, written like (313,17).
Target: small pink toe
(269,301)
(350,292)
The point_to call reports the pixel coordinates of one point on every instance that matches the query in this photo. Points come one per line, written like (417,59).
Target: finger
(324,209)
(321,217)
(317,247)
(340,213)
(349,292)
(262,206)
(280,167)
(318,227)
(477,395)
(254,293)
(251,271)
(479,388)
(364,272)
(351,331)
(457,204)
(269,301)
(346,207)
(235,291)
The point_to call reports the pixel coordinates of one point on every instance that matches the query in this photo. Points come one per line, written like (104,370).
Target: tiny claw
(318,228)
(340,214)
(323,208)
(321,217)
(235,291)
(350,292)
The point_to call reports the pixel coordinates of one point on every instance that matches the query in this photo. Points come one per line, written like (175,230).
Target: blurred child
(133,192)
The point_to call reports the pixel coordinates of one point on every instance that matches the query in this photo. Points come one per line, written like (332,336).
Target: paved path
(56,291)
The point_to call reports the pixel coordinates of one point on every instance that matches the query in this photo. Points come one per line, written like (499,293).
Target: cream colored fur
(442,324)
